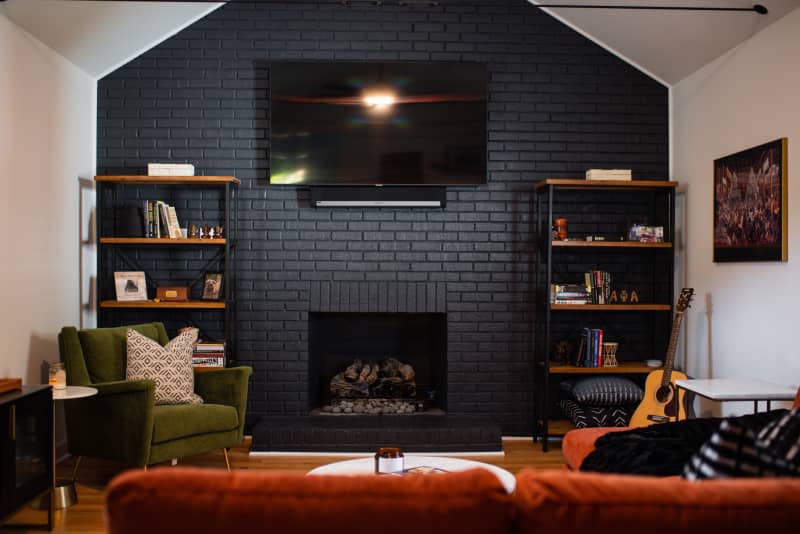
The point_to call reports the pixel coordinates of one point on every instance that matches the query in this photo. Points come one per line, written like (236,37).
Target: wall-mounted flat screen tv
(378,123)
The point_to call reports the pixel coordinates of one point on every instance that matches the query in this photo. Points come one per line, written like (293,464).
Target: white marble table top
(732,389)
(366,466)
(73,392)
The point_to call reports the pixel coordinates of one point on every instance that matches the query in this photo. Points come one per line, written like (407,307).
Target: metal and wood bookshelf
(599,209)
(118,253)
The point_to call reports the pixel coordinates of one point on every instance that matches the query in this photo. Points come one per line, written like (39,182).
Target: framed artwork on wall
(751,205)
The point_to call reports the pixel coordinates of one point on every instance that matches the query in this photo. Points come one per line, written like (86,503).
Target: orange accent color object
(172,293)
(203,501)
(561,229)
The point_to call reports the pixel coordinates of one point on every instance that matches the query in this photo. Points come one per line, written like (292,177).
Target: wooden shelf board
(158,241)
(622,368)
(145,304)
(608,244)
(168,180)
(610,307)
(606,184)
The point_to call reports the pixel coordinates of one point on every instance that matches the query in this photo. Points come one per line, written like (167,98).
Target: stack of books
(160,220)
(598,285)
(209,354)
(609,174)
(590,351)
(569,294)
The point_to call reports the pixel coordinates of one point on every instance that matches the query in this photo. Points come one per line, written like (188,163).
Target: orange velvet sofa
(176,500)
(578,444)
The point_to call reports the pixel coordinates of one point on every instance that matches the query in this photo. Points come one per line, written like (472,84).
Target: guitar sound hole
(663,394)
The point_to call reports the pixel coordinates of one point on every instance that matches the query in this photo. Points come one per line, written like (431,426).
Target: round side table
(64,493)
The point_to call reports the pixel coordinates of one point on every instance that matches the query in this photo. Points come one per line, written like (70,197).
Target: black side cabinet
(26,448)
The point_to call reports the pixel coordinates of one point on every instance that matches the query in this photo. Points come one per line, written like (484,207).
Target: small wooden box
(172,293)
(10,384)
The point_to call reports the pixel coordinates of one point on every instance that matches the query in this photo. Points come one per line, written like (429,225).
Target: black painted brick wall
(558,105)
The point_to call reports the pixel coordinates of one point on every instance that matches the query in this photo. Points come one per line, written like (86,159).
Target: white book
(609,174)
(170,169)
(172,223)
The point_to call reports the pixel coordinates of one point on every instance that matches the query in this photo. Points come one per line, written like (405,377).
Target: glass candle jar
(389,460)
(560,229)
(58,376)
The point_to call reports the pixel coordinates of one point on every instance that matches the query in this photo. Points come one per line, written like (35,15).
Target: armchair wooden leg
(227,462)
(75,468)
(144,468)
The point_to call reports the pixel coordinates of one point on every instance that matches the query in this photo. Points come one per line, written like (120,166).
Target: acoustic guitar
(662,401)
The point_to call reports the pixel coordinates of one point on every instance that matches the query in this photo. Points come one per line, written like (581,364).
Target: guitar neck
(669,362)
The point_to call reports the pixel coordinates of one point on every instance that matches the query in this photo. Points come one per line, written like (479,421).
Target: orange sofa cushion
(210,501)
(577,444)
(558,502)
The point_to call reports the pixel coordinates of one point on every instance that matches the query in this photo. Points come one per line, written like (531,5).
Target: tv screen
(368,123)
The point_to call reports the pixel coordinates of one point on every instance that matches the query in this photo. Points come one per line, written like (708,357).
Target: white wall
(47,117)
(744,322)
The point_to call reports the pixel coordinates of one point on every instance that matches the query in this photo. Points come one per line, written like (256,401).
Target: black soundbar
(389,196)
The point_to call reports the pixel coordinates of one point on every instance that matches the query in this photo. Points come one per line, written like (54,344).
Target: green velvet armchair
(123,423)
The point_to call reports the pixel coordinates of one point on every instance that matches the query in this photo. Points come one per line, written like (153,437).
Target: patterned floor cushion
(592,416)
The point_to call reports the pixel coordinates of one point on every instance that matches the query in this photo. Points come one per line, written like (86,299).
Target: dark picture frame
(751,204)
(212,286)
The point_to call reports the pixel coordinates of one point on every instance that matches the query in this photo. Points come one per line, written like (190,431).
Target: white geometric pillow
(169,366)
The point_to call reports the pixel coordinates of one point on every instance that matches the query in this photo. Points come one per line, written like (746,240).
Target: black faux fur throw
(660,450)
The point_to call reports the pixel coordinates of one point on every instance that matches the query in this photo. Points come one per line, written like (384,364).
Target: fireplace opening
(377,363)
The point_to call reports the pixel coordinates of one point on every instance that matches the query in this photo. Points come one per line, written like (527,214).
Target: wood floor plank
(86,517)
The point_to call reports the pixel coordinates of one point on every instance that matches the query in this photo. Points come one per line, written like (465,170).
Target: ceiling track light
(757,8)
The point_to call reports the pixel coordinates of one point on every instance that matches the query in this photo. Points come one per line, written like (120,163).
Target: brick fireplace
(558,104)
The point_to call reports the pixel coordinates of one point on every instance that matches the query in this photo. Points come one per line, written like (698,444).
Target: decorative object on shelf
(561,351)
(194,231)
(654,363)
(170,169)
(634,296)
(205,232)
(218,232)
(646,234)
(130,285)
(623,175)
(212,286)
(57,376)
(610,353)
(172,293)
(560,227)
(750,204)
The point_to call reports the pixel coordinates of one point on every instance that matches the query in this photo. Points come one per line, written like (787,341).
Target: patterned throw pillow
(738,449)
(607,391)
(169,366)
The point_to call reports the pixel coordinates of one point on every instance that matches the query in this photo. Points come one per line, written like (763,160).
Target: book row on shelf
(209,354)
(593,352)
(595,290)
(160,219)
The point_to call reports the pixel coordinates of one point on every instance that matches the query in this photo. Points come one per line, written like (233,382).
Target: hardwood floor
(86,517)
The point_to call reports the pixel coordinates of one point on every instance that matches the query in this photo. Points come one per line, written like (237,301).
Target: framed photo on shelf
(130,285)
(212,286)
(750,204)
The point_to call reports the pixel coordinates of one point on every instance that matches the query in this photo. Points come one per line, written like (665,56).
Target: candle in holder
(58,376)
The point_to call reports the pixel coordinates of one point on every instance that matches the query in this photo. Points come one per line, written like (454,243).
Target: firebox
(377,363)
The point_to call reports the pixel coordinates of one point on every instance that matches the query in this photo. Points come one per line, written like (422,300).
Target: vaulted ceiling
(669,45)
(99,36)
